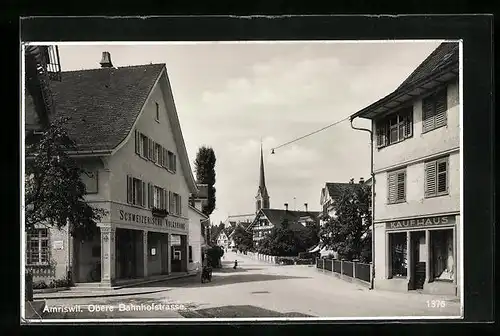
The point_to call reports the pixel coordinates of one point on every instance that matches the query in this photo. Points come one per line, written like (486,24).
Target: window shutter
(391,188)
(130,189)
(162,199)
(430,178)
(441,107)
(179,200)
(160,155)
(165,158)
(137,142)
(171,202)
(143,193)
(175,162)
(408,122)
(149,195)
(427,114)
(401,196)
(442,178)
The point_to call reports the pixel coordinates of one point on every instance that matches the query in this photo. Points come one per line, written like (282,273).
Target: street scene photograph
(297,180)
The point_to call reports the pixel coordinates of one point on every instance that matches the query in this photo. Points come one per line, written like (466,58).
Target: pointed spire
(262,181)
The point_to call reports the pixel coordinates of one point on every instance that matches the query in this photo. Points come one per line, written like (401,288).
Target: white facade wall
(412,154)
(195,238)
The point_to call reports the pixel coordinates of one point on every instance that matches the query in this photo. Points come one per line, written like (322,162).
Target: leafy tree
(242,238)
(310,236)
(54,190)
(348,232)
(282,241)
(214,255)
(205,174)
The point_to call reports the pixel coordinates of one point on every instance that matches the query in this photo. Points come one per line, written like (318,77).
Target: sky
(233,96)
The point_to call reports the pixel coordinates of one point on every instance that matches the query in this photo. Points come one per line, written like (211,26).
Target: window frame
(435,163)
(391,236)
(434,100)
(143,146)
(397,173)
(39,238)
(137,193)
(404,124)
(157,112)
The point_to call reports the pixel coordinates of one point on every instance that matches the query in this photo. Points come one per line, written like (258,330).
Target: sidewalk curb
(108,294)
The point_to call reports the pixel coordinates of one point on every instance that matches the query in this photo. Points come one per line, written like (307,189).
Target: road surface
(257,289)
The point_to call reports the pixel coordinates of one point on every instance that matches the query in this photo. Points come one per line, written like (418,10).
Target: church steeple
(262,198)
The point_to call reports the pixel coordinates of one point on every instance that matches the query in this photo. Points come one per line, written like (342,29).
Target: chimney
(286,206)
(361,180)
(305,205)
(106,60)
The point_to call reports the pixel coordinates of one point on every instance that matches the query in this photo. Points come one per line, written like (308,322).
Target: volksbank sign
(126,216)
(420,222)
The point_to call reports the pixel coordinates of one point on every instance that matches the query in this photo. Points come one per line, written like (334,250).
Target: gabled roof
(439,67)
(198,211)
(444,55)
(336,189)
(277,216)
(102,106)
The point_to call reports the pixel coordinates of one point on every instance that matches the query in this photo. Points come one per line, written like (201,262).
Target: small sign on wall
(58,245)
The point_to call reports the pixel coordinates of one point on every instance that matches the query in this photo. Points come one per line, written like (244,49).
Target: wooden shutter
(149,196)
(408,124)
(401,192)
(137,142)
(179,201)
(391,187)
(165,158)
(130,184)
(441,107)
(442,176)
(171,202)
(143,194)
(175,162)
(430,178)
(427,114)
(162,198)
(160,155)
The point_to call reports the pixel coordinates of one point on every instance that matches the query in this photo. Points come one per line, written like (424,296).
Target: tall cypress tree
(205,174)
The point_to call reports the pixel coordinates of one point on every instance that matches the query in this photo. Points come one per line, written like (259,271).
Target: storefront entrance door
(419,258)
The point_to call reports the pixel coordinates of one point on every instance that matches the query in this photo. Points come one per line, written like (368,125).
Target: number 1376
(436,303)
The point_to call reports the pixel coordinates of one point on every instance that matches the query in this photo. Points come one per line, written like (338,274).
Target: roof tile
(101,104)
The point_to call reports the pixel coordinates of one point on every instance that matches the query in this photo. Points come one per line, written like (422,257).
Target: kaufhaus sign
(420,222)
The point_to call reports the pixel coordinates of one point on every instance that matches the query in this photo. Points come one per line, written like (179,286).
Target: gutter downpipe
(372,174)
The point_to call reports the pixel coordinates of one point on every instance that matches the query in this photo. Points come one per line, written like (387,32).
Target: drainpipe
(373,199)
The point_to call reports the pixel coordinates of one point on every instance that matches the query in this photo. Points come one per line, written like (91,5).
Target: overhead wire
(309,134)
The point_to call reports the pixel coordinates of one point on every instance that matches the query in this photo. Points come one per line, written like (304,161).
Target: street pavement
(257,289)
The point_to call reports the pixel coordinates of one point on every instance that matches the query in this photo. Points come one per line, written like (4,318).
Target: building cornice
(391,219)
(414,161)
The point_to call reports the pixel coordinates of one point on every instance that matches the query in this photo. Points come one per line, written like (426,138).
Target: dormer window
(157,112)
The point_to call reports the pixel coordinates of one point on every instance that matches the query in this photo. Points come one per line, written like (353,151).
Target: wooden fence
(346,269)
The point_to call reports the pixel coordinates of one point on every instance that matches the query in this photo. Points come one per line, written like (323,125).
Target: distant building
(417,178)
(267,219)
(329,194)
